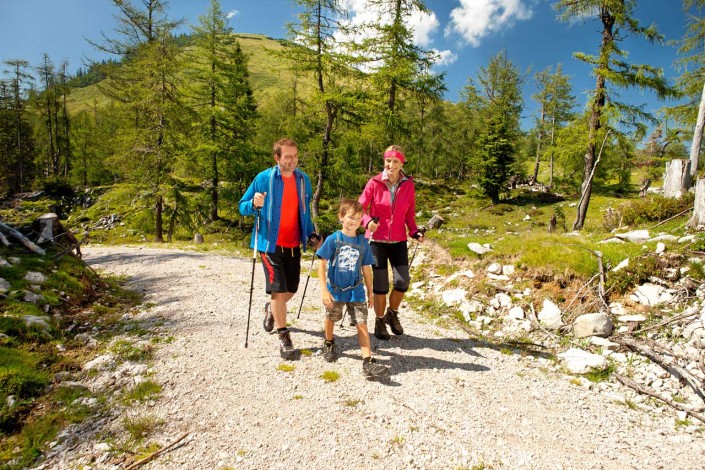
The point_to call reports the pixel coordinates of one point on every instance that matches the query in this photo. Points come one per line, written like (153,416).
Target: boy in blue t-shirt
(349,260)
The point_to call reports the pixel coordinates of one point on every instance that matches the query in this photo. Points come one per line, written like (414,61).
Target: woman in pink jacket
(389,200)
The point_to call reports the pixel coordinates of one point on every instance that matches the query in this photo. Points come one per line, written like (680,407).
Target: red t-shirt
(289,220)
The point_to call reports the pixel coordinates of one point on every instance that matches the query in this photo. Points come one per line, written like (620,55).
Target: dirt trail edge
(450,402)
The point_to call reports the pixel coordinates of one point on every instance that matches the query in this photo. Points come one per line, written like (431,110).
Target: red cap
(394,154)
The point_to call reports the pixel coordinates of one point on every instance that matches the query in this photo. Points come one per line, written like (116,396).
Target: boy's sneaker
(286,347)
(268,322)
(372,368)
(392,319)
(329,352)
(381,328)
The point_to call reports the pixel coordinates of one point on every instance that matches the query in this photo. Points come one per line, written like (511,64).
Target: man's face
(289,159)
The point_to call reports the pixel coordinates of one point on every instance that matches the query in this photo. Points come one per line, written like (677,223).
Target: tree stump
(46,223)
(49,229)
(644,187)
(198,238)
(698,217)
(676,180)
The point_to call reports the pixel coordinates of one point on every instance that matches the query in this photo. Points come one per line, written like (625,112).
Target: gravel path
(450,403)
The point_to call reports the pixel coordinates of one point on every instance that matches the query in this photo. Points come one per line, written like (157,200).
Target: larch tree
(691,113)
(18,140)
(146,84)
(556,103)
(396,63)
(222,100)
(320,54)
(610,68)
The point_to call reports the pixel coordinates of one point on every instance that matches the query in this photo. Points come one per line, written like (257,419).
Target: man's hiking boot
(329,351)
(372,368)
(392,319)
(268,322)
(381,328)
(286,347)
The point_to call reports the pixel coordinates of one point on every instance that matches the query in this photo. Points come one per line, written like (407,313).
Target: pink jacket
(394,219)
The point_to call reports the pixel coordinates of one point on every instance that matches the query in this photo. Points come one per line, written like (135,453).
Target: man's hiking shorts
(282,269)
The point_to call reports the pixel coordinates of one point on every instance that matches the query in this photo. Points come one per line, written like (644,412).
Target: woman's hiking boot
(268,322)
(286,347)
(381,328)
(372,368)
(392,319)
(329,351)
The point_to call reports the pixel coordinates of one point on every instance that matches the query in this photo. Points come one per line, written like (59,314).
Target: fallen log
(647,391)
(669,366)
(21,238)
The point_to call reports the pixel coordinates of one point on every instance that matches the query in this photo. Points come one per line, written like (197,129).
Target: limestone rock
(550,315)
(592,324)
(35,277)
(454,297)
(578,361)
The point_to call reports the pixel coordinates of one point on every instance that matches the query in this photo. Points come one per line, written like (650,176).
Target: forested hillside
(202,110)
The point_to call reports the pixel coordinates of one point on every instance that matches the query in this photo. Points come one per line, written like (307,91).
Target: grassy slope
(264,77)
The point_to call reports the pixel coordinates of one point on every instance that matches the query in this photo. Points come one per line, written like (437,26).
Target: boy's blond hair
(349,205)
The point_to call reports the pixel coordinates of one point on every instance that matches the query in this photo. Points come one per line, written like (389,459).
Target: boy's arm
(326,296)
(367,276)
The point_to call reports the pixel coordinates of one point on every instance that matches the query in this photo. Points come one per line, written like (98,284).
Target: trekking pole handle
(420,233)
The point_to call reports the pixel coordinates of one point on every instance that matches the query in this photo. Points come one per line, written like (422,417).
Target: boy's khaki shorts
(356,310)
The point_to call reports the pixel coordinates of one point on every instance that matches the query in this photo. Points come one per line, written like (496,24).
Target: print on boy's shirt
(347,258)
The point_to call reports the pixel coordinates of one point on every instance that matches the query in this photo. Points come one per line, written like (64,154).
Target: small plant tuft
(330,376)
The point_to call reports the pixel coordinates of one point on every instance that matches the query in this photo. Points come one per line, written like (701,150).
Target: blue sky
(466,33)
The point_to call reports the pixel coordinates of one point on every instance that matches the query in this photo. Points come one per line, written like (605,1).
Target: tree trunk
(535,177)
(159,206)
(676,180)
(698,217)
(697,136)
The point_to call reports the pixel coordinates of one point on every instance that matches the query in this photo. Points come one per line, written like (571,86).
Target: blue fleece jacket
(270,181)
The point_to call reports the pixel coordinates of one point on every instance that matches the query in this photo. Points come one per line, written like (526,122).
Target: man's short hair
(286,141)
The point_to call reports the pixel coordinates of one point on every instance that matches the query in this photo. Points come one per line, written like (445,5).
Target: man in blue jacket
(280,198)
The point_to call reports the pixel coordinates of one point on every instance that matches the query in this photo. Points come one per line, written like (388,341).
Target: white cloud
(422,25)
(445,57)
(231,14)
(475,19)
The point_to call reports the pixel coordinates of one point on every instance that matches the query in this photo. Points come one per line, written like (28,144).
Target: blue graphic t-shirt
(345,279)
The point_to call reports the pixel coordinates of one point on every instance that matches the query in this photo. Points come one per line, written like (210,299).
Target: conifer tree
(222,101)
(146,84)
(609,67)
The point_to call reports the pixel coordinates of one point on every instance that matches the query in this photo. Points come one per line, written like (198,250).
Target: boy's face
(351,220)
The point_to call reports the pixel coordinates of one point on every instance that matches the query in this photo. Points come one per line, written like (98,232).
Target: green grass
(330,376)
(130,352)
(143,391)
(141,427)
(284,367)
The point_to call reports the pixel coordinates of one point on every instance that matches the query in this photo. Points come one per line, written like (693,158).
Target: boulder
(454,297)
(578,361)
(550,315)
(479,249)
(635,236)
(592,324)
(35,277)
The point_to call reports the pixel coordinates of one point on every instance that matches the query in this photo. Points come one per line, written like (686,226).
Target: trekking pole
(252,279)
(421,231)
(313,258)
